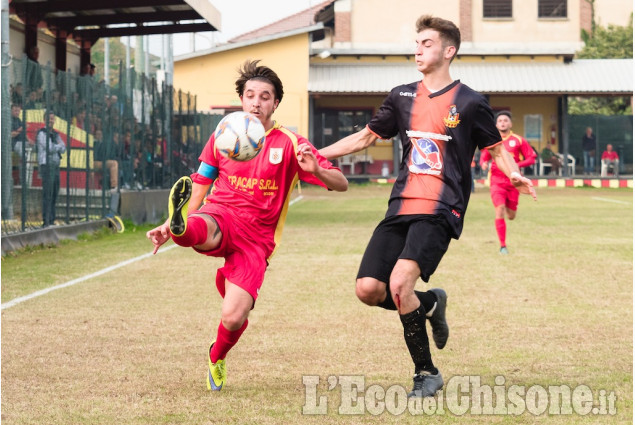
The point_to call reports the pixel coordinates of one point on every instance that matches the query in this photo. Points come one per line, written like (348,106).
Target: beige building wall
(212,77)
(521,106)
(613,12)
(46,43)
(525,26)
(380,23)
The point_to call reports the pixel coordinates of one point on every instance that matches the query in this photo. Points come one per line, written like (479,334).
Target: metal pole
(146,52)
(7,179)
(170,59)
(107,64)
(25,182)
(69,147)
(565,135)
(128,65)
(163,49)
(138,54)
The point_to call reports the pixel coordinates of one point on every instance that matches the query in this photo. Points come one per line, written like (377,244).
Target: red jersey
(260,188)
(519,149)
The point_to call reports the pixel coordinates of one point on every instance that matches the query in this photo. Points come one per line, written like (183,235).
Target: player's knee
(511,214)
(233,320)
(369,292)
(400,287)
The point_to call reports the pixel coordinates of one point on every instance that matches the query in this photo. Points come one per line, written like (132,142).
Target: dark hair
(499,113)
(251,71)
(449,32)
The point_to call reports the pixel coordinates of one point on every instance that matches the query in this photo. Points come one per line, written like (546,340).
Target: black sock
(388,303)
(427,299)
(414,332)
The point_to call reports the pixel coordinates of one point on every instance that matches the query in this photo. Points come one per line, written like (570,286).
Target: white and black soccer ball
(239,136)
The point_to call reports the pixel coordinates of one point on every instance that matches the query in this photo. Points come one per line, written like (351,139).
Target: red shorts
(505,194)
(244,251)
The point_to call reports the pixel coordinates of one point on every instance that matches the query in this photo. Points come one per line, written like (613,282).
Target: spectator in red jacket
(609,159)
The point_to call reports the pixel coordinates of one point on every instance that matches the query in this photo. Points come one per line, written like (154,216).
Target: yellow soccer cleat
(216,374)
(177,207)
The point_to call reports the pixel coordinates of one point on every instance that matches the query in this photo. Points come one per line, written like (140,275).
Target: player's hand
(523,184)
(306,159)
(159,235)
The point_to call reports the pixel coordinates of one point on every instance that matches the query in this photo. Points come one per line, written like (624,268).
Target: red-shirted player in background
(243,216)
(504,194)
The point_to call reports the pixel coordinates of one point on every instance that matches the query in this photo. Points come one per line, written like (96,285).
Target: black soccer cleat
(426,385)
(440,329)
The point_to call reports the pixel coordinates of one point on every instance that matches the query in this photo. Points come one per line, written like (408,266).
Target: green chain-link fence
(138,135)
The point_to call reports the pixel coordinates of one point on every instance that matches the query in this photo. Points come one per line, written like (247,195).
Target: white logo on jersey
(275,155)
(512,143)
(407,94)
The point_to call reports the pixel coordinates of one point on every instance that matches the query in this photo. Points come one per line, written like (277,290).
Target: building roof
(582,76)
(551,49)
(113,18)
(304,18)
(315,29)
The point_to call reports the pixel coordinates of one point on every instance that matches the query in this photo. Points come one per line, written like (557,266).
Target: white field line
(81,279)
(615,201)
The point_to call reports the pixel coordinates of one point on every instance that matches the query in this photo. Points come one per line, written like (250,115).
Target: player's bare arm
(352,143)
(507,165)
(333,179)
(161,234)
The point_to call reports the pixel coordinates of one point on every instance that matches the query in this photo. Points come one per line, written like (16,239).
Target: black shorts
(421,238)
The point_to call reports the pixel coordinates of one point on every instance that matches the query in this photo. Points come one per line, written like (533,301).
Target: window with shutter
(497,8)
(552,8)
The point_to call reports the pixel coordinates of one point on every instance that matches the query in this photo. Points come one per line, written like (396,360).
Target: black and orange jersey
(439,133)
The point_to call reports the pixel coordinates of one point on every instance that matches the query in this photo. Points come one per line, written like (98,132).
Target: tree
(612,42)
(117,55)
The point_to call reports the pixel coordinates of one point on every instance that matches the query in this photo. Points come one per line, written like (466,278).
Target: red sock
(195,234)
(501,229)
(225,340)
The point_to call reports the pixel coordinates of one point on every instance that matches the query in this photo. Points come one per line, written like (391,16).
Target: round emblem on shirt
(425,157)
(512,143)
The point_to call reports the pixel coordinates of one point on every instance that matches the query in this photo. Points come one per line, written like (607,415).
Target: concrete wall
(46,43)
(146,206)
(378,23)
(613,12)
(381,23)
(525,25)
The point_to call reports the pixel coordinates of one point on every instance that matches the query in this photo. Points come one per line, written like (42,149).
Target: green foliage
(612,42)
(600,106)
(117,56)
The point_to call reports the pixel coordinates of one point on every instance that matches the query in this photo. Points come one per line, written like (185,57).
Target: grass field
(129,346)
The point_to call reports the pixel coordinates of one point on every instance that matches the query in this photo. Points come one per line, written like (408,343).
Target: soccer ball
(239,136)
